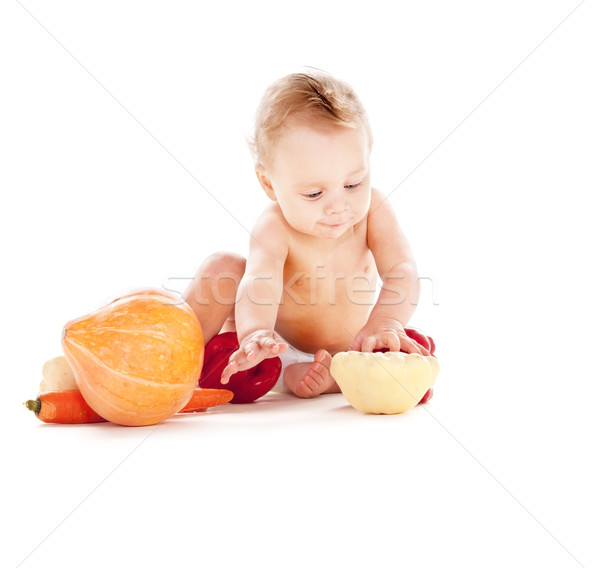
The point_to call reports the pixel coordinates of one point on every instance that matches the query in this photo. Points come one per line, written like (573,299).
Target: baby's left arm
(399,294)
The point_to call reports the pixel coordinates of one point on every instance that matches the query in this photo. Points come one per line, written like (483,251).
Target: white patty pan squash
(384,383)
(57,376)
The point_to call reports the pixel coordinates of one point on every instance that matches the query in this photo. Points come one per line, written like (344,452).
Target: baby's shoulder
(377,199)
(270,219)
(271,229)
(381,219)
(381,209)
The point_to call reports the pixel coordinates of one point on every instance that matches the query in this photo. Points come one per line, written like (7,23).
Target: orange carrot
(205,398)
(63,407)
(69,406)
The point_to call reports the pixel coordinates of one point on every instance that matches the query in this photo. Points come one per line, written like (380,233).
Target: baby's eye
(313,195)
(353,186)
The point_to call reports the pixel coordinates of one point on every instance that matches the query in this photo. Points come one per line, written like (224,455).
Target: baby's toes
(324,358)
(303,389)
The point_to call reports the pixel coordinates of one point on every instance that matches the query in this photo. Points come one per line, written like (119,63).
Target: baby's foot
(308,380)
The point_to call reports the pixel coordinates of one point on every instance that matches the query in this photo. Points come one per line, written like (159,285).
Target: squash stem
(34,405)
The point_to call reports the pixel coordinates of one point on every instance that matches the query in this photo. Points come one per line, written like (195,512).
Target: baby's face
(320,176)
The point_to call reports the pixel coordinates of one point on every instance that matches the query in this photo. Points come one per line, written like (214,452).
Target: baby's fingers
(368,344)
(409,345)
(263,348)
(251,354)
(251,350)
(393,342)
(272,346)
(230,369)
(386,339)
(237,362)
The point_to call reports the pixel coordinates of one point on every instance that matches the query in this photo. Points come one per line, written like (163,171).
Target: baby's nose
(335,206)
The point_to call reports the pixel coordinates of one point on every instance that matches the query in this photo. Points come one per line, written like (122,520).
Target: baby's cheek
(365,202)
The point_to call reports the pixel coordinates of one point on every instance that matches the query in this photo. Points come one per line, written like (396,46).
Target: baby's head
(313,96)
(312,143)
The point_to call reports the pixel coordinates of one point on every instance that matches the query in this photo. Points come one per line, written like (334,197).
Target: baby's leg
(213,291)
(308,380)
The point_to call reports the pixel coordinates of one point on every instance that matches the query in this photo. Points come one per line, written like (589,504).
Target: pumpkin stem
(34,405)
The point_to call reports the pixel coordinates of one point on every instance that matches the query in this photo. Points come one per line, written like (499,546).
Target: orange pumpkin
(136,360)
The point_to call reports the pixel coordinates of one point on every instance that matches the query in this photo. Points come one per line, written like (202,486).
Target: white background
(118,122)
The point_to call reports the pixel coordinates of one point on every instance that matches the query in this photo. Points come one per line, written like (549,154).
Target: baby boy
(308,289)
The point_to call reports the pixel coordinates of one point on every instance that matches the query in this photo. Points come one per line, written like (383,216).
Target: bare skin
(308,380)
(316,252)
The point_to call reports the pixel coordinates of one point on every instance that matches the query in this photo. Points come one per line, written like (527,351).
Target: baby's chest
(325,279)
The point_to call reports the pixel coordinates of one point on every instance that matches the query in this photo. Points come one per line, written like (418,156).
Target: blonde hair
(313,95)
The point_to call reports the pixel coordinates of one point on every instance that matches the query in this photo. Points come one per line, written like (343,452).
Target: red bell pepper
(421,339)
(427,342)
(247,386)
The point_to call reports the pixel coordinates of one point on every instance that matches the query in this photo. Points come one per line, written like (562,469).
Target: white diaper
(291,356)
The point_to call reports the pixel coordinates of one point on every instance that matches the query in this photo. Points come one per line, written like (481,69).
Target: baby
(308,289)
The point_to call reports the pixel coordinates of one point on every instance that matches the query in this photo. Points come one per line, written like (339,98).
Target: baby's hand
(254,348)
(384,334)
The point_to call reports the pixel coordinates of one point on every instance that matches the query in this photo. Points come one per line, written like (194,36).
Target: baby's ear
(265,183)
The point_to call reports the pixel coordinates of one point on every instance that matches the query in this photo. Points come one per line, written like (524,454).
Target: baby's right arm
(258,297)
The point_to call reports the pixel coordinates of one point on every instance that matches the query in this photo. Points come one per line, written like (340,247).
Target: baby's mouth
(333,225)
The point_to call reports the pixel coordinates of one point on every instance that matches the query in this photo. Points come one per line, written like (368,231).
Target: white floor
(485,475)
(124,165)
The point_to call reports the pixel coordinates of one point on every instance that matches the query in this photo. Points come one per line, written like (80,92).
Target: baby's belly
(325,314)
